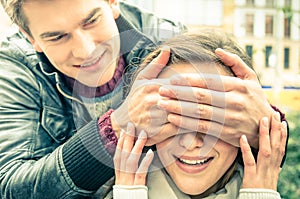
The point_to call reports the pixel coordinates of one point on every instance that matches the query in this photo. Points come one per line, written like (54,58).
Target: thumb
(152,70)
(238,66)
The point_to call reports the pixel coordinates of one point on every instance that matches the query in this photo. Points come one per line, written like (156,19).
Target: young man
(62,86)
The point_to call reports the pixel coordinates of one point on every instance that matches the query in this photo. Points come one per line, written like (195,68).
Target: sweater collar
(80,89)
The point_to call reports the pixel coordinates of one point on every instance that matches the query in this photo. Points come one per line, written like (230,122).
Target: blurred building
(269,30)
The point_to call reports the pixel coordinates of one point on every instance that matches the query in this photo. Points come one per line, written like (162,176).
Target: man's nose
(83,45)
(191,140)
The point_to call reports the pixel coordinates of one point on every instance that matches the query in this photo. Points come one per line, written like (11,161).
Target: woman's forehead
(195,68)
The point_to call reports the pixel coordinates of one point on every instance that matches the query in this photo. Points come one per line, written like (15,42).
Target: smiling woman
(192,164)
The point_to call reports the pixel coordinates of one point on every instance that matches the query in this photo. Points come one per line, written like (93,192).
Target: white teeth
(88,64)
(193,162)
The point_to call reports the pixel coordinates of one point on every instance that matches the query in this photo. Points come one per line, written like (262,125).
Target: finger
(194,94)
(134,157)
(127,145)
(118,152)
(140,177)
(264,153)
(283,138)
(275,136)
(194,110)
(214,82)
(117,157)
(198,125)
(248,159)
(238,66)
(166,131)
(275,132)
(152,70)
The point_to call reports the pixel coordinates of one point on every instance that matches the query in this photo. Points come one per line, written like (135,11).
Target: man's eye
(58,38)
(92,21)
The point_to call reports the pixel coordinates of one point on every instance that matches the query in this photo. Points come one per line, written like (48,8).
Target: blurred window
(286,58)
(270,3)
(249,2)
(249,50)
(249,24)
(287,27)
(268,52)
(269,24)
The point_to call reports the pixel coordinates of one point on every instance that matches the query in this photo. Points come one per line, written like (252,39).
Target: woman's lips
(193,164)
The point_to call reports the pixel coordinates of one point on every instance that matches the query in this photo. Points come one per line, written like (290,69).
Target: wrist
(115,125)
(106,132)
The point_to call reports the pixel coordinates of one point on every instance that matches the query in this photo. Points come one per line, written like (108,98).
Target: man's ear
(32,41)
(114,5)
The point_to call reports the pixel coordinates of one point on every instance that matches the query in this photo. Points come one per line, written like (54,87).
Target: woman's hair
(199,47)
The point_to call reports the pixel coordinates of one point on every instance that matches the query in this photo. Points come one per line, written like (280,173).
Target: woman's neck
(218,185)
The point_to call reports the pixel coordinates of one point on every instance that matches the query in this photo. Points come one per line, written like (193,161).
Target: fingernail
(163,90)
(219,51)
(142,135)
(162,104)
(265,121)
(171,118)
(277,116)
(244,138)
(284,124)
(178,79)
(149,152)
(122,133)
(165,48)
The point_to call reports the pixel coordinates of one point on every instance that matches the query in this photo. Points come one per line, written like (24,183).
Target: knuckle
(177,107)
(242,86)
(238,103)
(202,127)
(200,110)
(200,96)
(234,119)
(282,153)
(276,147)
(266,153)
(249,163)
(149,100)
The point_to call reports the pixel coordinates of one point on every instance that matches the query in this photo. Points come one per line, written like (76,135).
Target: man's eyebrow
(57,33)
(91,15)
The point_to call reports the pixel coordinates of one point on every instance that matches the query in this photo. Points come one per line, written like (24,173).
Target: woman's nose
(191,140)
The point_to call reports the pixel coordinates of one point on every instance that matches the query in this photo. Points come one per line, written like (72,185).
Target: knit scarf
(160,185)
(99,100)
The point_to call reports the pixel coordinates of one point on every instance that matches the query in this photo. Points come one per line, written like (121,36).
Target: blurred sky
(4,22)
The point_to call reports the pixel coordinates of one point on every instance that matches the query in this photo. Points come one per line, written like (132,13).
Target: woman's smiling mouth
(193,165)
